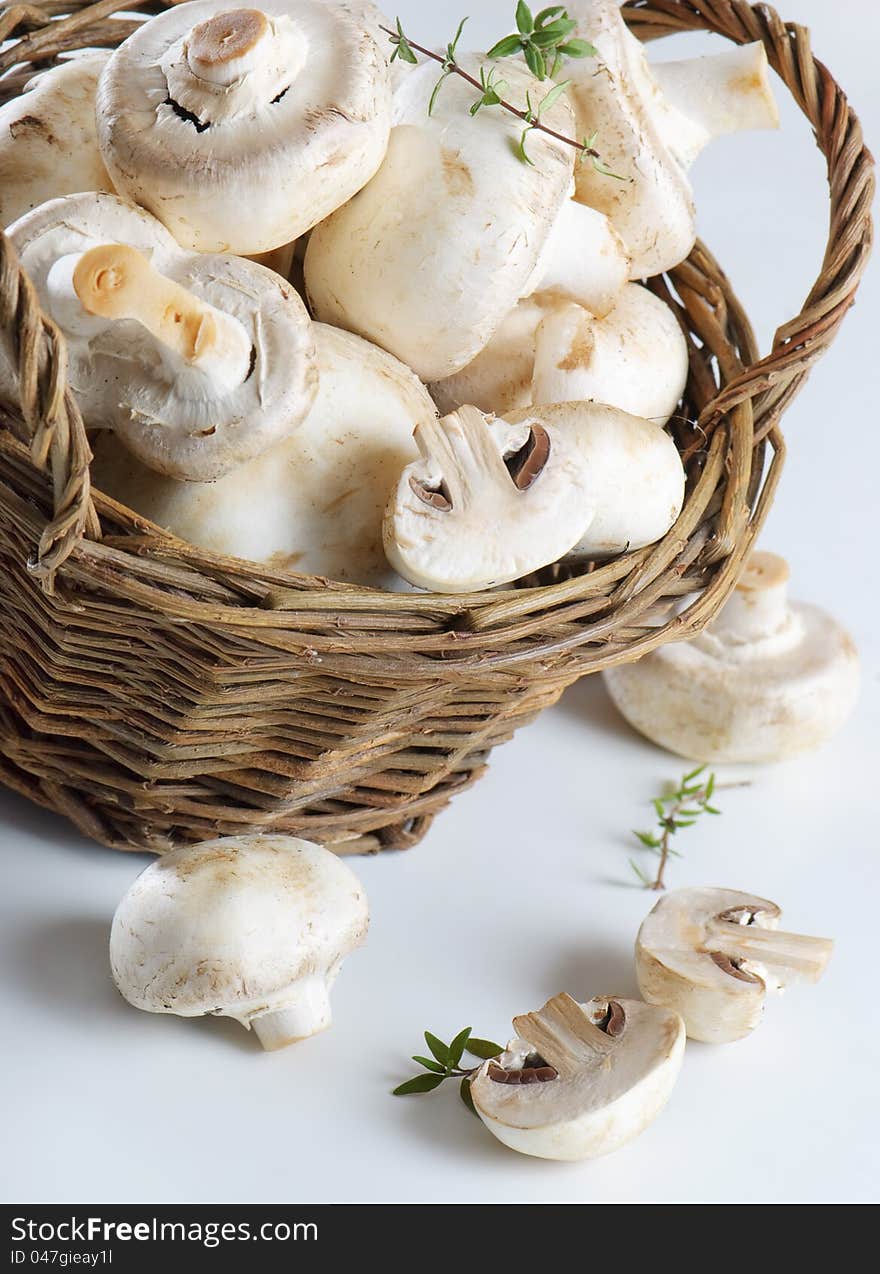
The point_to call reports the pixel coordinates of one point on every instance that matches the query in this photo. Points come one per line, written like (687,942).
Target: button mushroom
(314,502)
(454,229)
(768,679)
(249,927)
(580,1080)
(242,128)
(651,122)
(549,350)
(635,478)
(198,362)
(48,140)
(713,954)
(486,503)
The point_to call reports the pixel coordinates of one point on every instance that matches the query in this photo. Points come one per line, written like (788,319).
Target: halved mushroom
(634,476)
(198,362)
(313,503)
(240,129)
(549,350)
(249,927)
(429,258)
(768,679)
(651,121)
(48,139)
(487,503)
(713,954)
(580,1080)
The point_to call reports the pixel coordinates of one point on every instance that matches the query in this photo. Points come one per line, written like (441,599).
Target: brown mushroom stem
(114,281)
(563,1034)
(788,955)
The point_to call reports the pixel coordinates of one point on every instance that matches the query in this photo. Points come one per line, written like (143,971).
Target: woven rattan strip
(156,694)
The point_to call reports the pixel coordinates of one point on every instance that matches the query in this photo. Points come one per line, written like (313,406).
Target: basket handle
(50,422)
(775,379)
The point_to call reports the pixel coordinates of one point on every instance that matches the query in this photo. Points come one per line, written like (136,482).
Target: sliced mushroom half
(581,1080)
(713,954)
(486,503)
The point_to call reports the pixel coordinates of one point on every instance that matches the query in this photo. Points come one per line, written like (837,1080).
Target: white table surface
(522,888)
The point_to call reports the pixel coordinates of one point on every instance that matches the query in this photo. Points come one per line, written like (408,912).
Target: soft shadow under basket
(156,694)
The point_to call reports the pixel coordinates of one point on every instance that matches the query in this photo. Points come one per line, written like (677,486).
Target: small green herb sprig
(675,811)
(544,41)
(445,1063)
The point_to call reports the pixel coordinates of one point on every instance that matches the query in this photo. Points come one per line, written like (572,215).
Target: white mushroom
(486,503)
(769,678)
(549,350)
(48,140)
(198,362)
(635,480)
(650,123)
(713,954)
(249,927)
(313,503)
(454,229)
(580,1080)
(242,128)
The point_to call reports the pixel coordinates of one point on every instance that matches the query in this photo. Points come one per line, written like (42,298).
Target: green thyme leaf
(505,48)
(458,1045)
(429,1064)
(552,97)
(464,1092)
(436,93)
(578,49)
(419,1084)
(438,1048)
(535,61)
(524,20)
(547,15)
(484,1049)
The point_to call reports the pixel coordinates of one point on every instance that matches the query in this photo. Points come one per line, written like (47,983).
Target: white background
(522,888)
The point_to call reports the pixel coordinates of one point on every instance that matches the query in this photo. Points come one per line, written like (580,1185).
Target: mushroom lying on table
(198,362)
(651,122)
(713,954)
(549,350)
(249,927)
(580,1080)
(429,258)
(768,678)
(48,139)
(240,129)
(314,502)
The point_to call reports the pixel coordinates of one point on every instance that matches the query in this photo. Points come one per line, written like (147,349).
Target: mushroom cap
(712,955)
(429,257)
(48,138)
(652,208)
(604,1098)
(300,130)
(229,926)
(720,698)
(634,476)
(170,423)
(313,503)
(486,503)
(635,358)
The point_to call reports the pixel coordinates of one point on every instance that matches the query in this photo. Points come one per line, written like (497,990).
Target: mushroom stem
(113,282)
(244,54)
(787,956)
(307,1014)
(563,1034)
(709,96)
(758,606)
(583,259)
(563,344)
(462,448)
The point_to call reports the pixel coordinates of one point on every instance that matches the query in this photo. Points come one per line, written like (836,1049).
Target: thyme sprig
(445,1063)
(675,811)
(544,42)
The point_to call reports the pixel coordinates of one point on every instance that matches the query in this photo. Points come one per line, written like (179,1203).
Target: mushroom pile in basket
(464,382)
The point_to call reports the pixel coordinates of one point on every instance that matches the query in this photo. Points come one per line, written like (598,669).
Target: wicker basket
(156,694)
